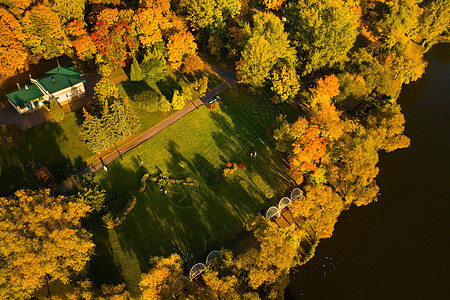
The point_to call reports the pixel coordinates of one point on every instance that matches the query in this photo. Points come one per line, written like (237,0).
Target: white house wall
(74,91)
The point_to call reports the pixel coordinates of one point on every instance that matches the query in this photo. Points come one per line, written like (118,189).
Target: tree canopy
(41,236)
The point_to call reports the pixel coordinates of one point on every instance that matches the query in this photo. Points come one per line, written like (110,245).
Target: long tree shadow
(40,148)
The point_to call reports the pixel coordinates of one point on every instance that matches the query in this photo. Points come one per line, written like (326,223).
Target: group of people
(253,154)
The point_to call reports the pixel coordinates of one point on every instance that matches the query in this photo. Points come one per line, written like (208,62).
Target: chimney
(53,79)
(26,87)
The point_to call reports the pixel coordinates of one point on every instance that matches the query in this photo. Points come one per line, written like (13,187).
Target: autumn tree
(40,236)
(285,83)
(323,31)
(268,44)
(13,54)
(209,14)
(386,126)
(68,10)
(434,20)
(178,100)
(202,85)
(179,46)
(44,33)
(320,207)
(309,154)
(16,7)
(81,41)
(150,22)
(274,4)
(324,114)
(113,40)
(157,283)
(192,64)
(277,253)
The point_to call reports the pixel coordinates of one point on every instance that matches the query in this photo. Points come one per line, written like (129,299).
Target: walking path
(70,183)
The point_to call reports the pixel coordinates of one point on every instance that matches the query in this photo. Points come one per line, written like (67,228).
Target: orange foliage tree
(113,40)
(192,64)
(180,46)
(13,53)
(309,154)
(324,114)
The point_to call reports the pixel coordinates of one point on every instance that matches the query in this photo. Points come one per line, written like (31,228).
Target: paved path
(70,183)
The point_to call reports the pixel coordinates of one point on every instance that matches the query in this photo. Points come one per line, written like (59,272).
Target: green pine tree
(56,111)
(136,73)
(93,132)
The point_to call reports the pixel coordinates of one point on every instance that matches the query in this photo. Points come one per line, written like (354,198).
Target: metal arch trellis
(179,285)
(271,212)
(296,194)
(196,270)
(284,202)
(213,254)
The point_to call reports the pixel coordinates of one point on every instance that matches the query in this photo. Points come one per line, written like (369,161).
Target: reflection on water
(398,247)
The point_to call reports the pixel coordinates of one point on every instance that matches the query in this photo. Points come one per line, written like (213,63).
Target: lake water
(398,247)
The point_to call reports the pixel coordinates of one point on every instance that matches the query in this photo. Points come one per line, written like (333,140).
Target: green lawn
(191,221)
(58,146)
(164,87)
(55,145)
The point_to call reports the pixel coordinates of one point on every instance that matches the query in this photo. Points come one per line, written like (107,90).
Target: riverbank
(395,248)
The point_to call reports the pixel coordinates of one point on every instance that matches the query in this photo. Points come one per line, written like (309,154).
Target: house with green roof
(60,84)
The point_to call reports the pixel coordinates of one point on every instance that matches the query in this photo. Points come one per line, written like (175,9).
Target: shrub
(117,206)
(164,104)
(187,93)
(147,100)
(178,101)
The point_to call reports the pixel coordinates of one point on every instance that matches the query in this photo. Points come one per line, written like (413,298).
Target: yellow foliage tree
(320,207)
(40,236)
(157,284)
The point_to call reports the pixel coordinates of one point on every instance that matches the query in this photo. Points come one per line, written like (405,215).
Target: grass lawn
(191,221)
(58,146)
(162,88)
(55,145)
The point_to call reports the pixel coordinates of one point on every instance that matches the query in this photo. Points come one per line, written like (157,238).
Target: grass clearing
(191,221)
(56,146)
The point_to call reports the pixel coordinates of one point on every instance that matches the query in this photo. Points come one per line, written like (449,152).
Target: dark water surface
(398,247)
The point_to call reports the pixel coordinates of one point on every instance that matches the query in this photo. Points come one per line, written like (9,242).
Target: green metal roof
(56,79)
(60,78)
(24,96)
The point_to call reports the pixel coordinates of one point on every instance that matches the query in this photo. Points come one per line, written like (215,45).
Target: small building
(60,84)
